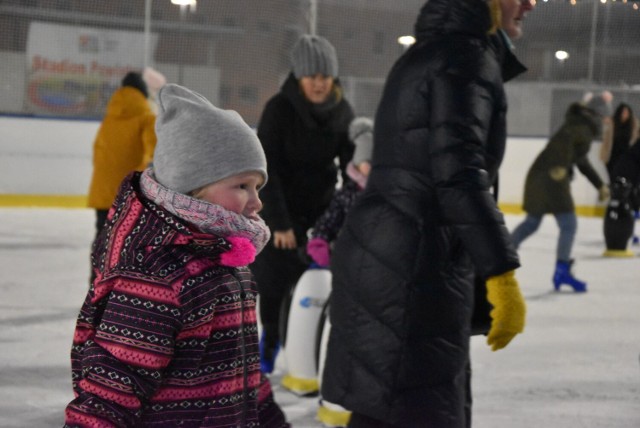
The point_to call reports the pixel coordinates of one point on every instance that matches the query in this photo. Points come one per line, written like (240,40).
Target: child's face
(365,168)
(238,193)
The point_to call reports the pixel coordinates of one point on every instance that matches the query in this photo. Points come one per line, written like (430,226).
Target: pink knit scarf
(241,232)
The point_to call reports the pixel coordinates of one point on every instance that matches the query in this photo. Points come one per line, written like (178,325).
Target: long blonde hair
(495,10)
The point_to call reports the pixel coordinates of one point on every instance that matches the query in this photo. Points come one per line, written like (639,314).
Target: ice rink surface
(576,365)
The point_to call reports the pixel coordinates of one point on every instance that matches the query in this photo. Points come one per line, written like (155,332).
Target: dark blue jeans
(568,224)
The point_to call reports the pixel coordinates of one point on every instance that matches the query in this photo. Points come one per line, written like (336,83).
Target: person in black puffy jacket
(405,261)
(303,129)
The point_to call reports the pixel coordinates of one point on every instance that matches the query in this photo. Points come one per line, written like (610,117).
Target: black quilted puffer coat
(404,263)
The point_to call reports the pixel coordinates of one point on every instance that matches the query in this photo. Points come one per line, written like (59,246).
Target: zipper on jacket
(245,369)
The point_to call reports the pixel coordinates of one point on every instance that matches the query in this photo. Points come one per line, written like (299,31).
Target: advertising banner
(72,71)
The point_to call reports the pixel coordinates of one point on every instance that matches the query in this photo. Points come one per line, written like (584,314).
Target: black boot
(269,348)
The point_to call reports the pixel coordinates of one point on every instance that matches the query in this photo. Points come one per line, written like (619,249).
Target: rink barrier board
(80,201)
(581,210)
(43,201)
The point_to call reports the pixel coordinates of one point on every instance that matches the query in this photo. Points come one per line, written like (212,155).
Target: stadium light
(406,41)
(562,55)
(184,4)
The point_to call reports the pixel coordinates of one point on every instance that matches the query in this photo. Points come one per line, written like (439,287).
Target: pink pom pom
(154,79)
(242,252)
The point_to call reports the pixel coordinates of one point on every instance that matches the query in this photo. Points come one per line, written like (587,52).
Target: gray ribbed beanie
(600,102)
(361,133)
(199,144)
(313,55)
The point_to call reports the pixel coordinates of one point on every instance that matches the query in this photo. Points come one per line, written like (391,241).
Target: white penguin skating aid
(300,351)
(329,414)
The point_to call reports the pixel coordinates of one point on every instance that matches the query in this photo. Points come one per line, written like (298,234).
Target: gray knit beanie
(361,133)
(313,55)
(599,102)
(199,144)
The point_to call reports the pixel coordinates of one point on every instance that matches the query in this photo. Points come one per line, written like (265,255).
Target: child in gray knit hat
(329,223)
(199,144)
(168,330)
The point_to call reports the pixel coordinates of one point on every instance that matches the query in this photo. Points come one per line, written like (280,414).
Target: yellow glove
(509,310)
(604,193)
(558,173)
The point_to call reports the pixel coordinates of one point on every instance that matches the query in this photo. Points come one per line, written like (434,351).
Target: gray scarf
(207,217)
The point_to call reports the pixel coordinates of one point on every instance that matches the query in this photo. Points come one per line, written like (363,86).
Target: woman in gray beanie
(303,129)
(167,334)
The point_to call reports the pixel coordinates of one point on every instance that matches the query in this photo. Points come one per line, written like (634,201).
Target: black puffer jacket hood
(449,17)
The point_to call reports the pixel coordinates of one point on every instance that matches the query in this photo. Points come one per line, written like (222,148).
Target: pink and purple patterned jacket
(167,335)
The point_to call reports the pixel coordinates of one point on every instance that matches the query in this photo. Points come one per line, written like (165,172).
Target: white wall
(520,154)
(53,156)
(45,156)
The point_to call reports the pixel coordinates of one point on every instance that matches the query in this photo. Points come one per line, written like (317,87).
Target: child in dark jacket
(167,335)
(329,223)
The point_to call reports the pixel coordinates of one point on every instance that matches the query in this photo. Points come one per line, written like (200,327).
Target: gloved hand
(558,173)
(509,310)
(318,250)
(604,193)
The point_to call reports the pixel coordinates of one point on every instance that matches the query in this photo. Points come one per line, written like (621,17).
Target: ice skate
(563,275)
(268,355)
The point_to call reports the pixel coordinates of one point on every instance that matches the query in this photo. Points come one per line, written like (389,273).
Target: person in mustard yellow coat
(125,142)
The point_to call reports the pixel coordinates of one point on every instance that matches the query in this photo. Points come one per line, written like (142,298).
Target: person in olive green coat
(548,184)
